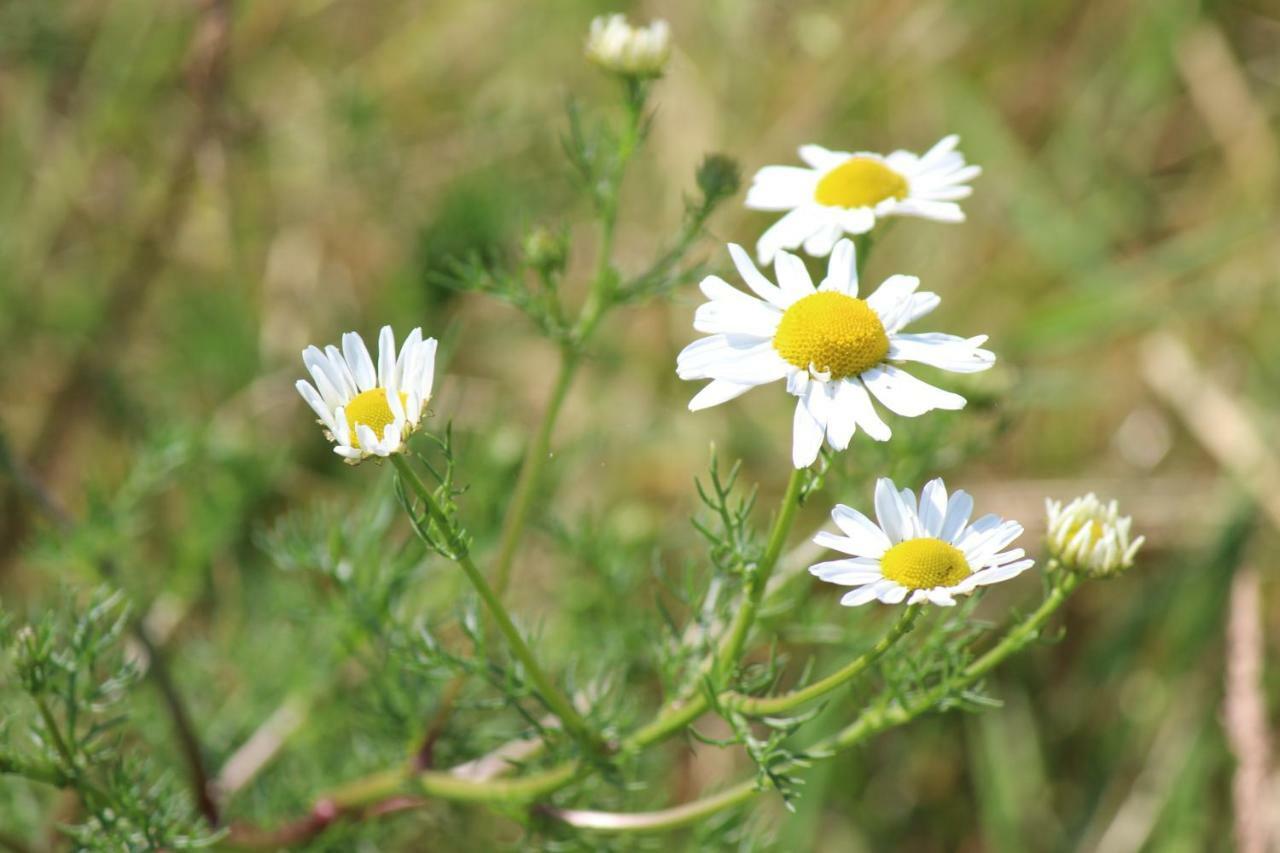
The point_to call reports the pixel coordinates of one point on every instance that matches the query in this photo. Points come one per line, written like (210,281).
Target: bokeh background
(192,192)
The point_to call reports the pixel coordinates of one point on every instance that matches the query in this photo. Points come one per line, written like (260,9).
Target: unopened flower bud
(1090,537)
(616,46)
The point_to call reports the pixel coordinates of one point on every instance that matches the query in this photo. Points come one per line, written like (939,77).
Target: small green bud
(718,178)
(546,250)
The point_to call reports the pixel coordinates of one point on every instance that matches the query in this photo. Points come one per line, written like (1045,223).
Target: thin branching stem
(875,719)
(771,705)
(551,695)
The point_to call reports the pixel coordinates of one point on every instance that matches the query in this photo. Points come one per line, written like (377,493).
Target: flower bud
(718,178)
(546,250)
(1090,537)
(616,46)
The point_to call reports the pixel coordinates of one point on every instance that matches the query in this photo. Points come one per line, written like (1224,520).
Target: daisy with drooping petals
(834,350)
(368,411)
(845,193)
(927,551)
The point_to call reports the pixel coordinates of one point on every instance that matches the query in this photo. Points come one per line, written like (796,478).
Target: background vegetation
(190,193)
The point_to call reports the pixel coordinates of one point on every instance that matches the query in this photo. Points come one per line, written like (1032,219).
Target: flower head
(368,411)
(845,192)
(1091,537)
(928,551)
(616,46)
(835,350)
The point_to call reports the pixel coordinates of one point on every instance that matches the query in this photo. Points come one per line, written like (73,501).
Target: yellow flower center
(833,333)
(370,409)
(860,182)
(925,564)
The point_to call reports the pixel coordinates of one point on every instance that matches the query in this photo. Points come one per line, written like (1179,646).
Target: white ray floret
(918,551)
(369,410)
(834,350)
(843,192)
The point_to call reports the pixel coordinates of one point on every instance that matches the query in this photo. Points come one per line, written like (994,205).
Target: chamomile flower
(1091,537)
(368,411)
(844,192)
(925,552)
(616,46)
(835,350)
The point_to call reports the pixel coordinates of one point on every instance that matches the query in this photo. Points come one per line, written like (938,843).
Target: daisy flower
(928,551)
(834,350)
(616,46)
(367,411)
(1091,537)
(845,193)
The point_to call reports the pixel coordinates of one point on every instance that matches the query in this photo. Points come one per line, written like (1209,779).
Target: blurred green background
(191,193)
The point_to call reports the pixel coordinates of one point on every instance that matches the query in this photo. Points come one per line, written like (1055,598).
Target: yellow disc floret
(925,564)
(831,333)
(370,408)
(860,182)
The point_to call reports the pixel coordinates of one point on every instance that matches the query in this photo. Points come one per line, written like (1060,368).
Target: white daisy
(845,192)
(930,551)
(1091,537)
(616,46)
(367,411)
(831,347)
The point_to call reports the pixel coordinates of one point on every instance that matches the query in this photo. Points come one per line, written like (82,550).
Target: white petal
(905,395)
(405,363)
(427,368)
(863,535)
(327,377)
(807,427)
(820,243)
(893,595)
(822,159)
(862,595)
(781,188)
(755,279)
(789,231)
(793,277)
(948,352)
(842,270)
(853,397)
(317,404)
(716,392)
(938,211)
(722,317)
(847,572)
(889,296)
(386,358)
(933,507)
(959,506)
(697,358)
(856,220)
(357,356)
(890,512)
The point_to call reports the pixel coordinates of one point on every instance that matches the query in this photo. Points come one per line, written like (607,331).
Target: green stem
(745,617)
(771,705)
(870,722)
(688,707)
(531,473)
(551,695)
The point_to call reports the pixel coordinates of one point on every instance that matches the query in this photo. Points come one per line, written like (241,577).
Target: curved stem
(869,722)
(531,473)
(554,699)
(746,615)
(770,705)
